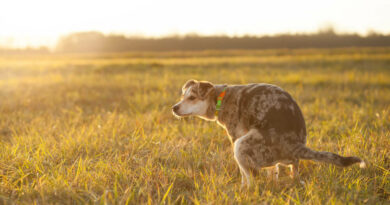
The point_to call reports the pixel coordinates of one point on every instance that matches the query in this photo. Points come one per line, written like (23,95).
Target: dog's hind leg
(273,173)
(248,154)
(242,161)
(294,171)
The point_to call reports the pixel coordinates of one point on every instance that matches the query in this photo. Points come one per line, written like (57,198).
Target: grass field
(98,128)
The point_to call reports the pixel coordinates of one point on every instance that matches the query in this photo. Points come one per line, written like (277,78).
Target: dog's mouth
(180,115)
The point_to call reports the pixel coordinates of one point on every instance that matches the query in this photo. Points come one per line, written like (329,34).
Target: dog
(263,122)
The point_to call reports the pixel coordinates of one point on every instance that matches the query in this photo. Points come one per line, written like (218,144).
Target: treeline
(21,51)
(98,42)
(85,42)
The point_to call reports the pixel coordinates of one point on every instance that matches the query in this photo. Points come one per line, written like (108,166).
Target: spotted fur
(264,123)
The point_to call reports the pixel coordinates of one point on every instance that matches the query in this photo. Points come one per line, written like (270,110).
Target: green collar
(219,101)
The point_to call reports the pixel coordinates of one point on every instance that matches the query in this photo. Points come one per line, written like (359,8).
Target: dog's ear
(205,88)
(188,84)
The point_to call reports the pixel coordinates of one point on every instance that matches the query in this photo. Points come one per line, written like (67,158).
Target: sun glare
(41,22)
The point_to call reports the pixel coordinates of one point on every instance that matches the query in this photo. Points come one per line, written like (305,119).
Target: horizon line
(326,30)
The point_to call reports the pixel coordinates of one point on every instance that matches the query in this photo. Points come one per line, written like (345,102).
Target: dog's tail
(303,152)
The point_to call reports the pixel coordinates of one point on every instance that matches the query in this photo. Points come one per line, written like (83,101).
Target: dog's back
(267,108)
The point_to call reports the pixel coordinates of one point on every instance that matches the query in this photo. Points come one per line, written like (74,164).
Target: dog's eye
(191,98)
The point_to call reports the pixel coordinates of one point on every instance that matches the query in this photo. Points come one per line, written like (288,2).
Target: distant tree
(82,42)
(327,29)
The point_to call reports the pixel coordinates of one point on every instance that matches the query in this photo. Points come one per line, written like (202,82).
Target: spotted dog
(263,121)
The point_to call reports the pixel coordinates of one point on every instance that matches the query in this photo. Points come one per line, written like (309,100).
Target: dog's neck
(210,115)
(218,91)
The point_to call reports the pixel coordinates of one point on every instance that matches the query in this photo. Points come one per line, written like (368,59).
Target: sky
(42,22)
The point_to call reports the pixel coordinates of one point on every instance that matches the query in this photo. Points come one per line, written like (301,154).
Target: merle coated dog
(263,121)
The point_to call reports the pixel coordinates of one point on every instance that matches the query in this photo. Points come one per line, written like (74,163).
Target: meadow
(98,128)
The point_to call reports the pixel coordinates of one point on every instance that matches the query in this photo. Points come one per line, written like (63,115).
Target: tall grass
(98,128)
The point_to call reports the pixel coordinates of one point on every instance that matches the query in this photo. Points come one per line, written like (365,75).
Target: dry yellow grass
(93,128)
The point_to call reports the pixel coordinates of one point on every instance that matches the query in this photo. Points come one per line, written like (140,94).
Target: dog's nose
(175,108)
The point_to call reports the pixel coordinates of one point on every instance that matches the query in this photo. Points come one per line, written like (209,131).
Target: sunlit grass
(98,128)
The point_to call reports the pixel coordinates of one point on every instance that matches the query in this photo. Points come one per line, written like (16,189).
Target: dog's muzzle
(175,109)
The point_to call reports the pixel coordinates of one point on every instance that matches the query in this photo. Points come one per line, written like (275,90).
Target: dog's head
(197,100)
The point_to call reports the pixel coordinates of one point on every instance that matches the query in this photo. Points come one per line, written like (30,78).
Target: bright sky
(41,22)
